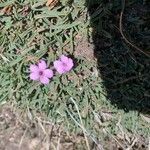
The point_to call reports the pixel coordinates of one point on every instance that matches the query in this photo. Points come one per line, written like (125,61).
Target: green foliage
(33,31)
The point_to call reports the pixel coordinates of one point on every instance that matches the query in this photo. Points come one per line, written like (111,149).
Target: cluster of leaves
(32,31)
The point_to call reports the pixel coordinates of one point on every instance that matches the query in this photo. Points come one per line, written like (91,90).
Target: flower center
(40,73)
(64,64)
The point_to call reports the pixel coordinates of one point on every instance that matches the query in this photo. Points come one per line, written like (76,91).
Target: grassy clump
(31,31)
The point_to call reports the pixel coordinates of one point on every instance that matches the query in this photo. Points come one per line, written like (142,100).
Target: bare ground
(20,131)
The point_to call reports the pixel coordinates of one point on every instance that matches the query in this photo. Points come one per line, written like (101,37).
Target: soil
(84,48)
(19,132)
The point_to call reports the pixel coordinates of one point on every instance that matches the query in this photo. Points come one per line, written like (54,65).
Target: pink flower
(63,65)
(40,72)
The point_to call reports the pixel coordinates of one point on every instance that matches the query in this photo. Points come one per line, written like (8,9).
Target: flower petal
(64,59)
(42,65)
(44,80)
(48,73)
(69,65)
(34,68)
(59,66)
(34,76)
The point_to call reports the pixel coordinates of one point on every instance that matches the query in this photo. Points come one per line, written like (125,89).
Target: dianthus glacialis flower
(63,65)
(40,72)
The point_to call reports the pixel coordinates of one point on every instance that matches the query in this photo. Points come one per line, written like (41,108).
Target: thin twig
(124,37)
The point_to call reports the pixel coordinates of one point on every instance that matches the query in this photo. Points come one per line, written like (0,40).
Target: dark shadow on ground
(124,70)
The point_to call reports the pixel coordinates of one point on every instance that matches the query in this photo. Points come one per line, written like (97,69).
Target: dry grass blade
(149,144)
(22,138)
(145,118)
(124,37)
(86,139)
(7,9)
(51,3)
